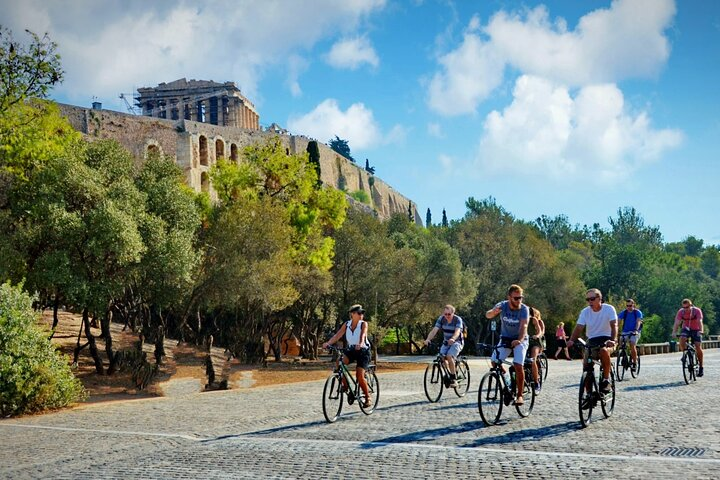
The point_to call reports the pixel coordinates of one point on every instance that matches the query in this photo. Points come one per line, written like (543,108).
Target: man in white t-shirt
(600,321)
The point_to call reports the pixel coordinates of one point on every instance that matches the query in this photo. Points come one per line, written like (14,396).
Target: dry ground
(183,363)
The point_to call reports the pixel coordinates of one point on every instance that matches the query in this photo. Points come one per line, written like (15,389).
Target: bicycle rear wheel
(433,382)
(373,391)
(332,401)
(607,402)
(619,365)
(636,372)
(543,362)
(490,398)
(693,366)
(586,399)
(462,376)
(528,395)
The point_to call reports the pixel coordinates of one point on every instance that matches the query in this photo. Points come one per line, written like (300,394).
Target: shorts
(536,342)
(561,343)
(519,352)
(695,335)
(633,338)
(452,350)
(596,345)
(361,357)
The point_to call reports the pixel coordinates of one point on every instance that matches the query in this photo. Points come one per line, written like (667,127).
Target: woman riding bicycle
(536,345)
(357,346)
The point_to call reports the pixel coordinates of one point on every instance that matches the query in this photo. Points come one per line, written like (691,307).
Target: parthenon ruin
(203,101)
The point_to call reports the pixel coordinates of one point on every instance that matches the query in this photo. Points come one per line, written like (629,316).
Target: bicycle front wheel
(373,391)
(586,399)
(688,367)
(608,401)
(433,382)
(490,398)
(619,366)
(462,376)
(332,401)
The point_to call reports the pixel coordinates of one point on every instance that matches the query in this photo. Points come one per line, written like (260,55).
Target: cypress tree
(428,218)
(444,219)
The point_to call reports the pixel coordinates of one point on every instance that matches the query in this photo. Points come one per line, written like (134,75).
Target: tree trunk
(91,342)
(56,305)
(105,325)
(397,340)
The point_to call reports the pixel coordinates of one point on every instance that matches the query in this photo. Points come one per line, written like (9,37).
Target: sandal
(519,401)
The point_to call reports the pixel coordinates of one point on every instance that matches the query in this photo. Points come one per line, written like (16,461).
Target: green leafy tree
(33,375)
(342,147)
(428,219)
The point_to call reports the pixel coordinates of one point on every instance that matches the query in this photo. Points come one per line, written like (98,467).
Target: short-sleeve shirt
(510,319)
(448,328)
(597,323)
(630,319)
(691,320)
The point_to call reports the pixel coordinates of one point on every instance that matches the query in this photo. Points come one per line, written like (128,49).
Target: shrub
(361,196)
(33,375)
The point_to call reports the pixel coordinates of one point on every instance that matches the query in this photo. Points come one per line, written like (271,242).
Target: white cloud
(352,53)
(397,134)
(435,130)
(356,125)
(623,41)
(547,132)
(109,47)
(446,162)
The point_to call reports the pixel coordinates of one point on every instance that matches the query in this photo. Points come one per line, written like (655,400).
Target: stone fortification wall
(196,146)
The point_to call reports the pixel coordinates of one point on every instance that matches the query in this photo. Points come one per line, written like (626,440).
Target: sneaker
(538,388)
(507,397)
(605,387)
(700,372)
(632,368)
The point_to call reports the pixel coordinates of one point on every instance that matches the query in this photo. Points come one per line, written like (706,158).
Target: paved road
(279,432)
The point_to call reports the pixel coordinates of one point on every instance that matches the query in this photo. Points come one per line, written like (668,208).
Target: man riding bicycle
(513,334)
(691,318)
(600,320)
(453,341)
(632,325)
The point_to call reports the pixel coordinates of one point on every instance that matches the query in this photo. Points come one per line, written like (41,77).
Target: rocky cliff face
(196,147)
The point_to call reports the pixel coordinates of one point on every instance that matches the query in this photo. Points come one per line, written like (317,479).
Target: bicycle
(495,392)
(690,364)
(624,360)
(542,360)
(335,390)
(437,377)
(590,393)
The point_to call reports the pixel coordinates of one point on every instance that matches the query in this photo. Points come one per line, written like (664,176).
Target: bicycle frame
(590,393)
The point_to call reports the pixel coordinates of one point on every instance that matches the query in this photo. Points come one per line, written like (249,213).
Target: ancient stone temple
(200,101)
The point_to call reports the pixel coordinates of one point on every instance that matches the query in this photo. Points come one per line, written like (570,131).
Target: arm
(492,313)
(431,335)
(455,335)
(522,334)
(575,334)
(336,337)
(613,333)
(363,335)
(678,319)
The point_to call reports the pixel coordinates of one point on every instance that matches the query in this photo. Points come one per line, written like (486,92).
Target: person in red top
(691,318)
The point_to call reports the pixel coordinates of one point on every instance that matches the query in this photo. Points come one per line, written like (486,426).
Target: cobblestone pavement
(280,432)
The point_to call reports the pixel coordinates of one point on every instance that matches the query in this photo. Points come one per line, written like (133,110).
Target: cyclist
(600,320)
(536,345)
(357,346)
(691,318)
(632,325)
(513,334)
(453,341)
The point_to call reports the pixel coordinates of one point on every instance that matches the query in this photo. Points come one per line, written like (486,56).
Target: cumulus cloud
(109,48)
(435,130)
(548,131)
(352,53)
(357,124)
(626,40)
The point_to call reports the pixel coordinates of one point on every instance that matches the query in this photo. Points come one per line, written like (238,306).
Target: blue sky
(557,107)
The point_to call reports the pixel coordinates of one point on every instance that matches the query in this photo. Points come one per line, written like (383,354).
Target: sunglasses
(517,299)
(629,306)
(591,299)
(448,314)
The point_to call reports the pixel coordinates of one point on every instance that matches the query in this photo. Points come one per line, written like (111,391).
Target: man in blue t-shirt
(452,328)
(514,316)
(632,325)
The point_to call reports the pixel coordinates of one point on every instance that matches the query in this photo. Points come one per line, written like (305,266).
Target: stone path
(280,432)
